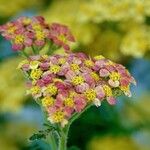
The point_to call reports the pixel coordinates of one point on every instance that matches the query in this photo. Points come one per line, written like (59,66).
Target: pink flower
(88,79)
(60,35)
(82,88)
(80,103)
(70,74)
(100,92)
(111,100)
(104,73)
(44,66)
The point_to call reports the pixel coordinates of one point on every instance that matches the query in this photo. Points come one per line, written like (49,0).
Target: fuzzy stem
(51,137)
(34,50)
(64,131)
(63,138)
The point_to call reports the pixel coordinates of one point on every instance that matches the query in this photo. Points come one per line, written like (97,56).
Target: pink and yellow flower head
(28,32)
(66,84)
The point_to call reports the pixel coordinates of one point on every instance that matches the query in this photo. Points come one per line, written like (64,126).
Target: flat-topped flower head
(36,32)
(66,84)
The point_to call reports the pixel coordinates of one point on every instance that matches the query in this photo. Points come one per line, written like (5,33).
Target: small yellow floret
(34,64)
(19,39)
(35,90)
(69,102)
(37,27)
(51,89)
(26,21)
(72,94)
(36,74)
(75,67)
(90,94)
(107,90)
(58,116)
(99,57)
(45,56)
(61,60)
(47,101)
(125,88)
(55,69)
(77,80)
(115,76)
(40,35)
(95,76)
(11,30)
(88,63)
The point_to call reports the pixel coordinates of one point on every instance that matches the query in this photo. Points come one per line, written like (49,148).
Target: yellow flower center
(35,90)
(58,116)
(39,35)
(115,76)
(90,95)
(44,56)
(62,38)
(77,80)
(11,30)
(61,60)
(72,94)
(55,69)
(99,57)
(34,64)
(88,63)
(47,101)
(19,39)
(69,102)
(36,74)
(75,67)
(107,90)
(95,76)
(26,21)
(37,27)
(52,89)
(125,88)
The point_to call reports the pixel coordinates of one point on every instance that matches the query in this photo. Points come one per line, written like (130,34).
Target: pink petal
(111,100)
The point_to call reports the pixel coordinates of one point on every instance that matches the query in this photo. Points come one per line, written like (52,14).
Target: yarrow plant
(63,85)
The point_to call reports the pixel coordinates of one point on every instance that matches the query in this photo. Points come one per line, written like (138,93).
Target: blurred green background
(117,29)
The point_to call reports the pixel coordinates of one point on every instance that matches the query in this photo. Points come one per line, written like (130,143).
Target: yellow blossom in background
(136,42)
(105,26)
(7,140)
(9,8)
(112,143)
(12,89)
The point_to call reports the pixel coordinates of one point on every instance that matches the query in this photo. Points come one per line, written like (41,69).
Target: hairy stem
(51,137)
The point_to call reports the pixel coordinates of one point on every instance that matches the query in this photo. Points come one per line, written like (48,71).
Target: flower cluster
(35,32)
(66,84)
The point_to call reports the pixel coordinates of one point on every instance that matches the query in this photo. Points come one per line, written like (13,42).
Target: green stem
(34,50)
(77,115)
(24,54)
(51,136)
(63,138)
(64,131)
(50,48)
(52,141)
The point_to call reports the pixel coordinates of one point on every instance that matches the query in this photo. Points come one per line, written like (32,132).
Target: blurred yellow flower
(112,143)
(9,8)
(12,89)
(105,25)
